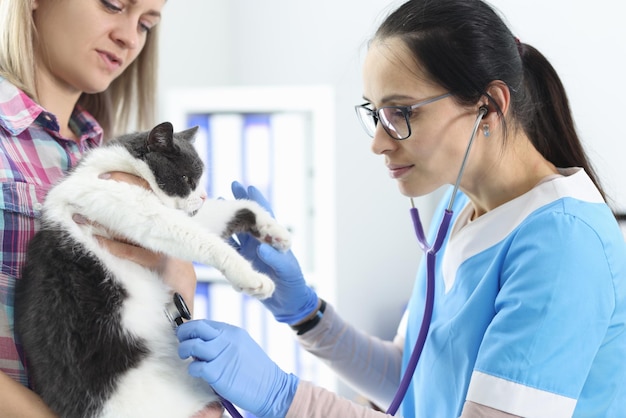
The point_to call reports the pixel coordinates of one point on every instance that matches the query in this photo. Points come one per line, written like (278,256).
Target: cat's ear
(189,134)
(161,137)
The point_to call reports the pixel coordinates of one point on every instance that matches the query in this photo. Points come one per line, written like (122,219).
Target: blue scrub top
(530,309)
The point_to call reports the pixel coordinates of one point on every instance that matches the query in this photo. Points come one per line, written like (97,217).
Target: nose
(382,143)
(126,34)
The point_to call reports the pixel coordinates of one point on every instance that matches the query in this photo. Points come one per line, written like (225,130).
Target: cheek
(132,57)
(133,54)
(425,146)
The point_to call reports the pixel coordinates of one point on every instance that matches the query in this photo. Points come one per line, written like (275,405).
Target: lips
(112,61)
(397,171)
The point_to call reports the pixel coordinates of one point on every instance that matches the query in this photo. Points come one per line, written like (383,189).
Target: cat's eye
(189,182)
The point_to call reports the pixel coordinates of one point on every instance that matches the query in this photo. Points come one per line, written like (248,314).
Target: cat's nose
(203,196)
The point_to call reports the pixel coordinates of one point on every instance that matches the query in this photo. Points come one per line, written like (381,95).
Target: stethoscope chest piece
(177,310)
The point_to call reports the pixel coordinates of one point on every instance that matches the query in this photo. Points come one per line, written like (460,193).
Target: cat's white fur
(160,386)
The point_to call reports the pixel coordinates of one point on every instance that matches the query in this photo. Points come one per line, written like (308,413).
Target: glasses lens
(367,119)
(394,121)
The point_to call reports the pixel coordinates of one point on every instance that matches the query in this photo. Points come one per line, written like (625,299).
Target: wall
(284,42)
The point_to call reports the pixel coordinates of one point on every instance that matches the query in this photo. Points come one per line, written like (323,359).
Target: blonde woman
(73,73)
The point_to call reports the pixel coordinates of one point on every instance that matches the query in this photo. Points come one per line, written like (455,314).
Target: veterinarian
(529,309)
(72,74)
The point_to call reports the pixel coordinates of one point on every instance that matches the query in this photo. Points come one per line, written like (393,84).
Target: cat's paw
(273,233)
(259,285)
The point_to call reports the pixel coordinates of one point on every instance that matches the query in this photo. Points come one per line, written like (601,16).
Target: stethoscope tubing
(430,251)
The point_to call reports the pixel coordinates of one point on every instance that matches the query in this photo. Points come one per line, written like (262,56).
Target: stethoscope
(175,311)
(430,251)
(178,309)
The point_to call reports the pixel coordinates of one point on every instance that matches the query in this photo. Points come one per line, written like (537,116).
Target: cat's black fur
(93,328)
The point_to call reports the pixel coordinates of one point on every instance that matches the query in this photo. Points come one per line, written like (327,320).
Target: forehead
(390,69)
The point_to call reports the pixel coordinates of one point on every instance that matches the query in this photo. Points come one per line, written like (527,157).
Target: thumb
(270,256)
(256,195)
(239,192)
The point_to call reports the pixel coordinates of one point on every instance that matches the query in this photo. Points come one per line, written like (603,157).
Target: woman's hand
(229,360)
(178,274)
(293,300)
(18,401)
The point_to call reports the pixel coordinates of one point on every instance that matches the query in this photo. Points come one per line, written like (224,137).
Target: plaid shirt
(33,156)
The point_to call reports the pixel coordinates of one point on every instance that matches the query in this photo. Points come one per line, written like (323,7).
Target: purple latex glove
(292,300)
(229,360)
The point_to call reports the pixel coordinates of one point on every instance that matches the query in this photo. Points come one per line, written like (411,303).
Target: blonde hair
(132,93)
(17,34)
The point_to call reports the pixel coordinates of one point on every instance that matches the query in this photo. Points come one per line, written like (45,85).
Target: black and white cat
(96,339)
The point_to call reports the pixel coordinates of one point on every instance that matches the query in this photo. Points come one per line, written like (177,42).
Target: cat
(93,327)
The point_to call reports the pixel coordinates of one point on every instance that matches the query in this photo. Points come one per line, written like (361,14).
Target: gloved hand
(229,360)
(292,300)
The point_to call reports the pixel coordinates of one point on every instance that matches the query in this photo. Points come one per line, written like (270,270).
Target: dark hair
(463,45)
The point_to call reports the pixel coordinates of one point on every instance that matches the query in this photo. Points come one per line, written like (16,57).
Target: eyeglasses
(395,119)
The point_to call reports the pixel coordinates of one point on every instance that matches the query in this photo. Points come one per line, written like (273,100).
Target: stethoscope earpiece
(483,110)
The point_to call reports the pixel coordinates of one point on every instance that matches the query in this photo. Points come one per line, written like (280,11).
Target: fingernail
(105,176)
(79,219)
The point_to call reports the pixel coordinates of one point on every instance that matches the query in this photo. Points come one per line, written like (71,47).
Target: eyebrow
(392,98)
(150,12)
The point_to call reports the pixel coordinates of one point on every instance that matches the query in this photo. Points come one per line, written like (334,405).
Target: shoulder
(17,110)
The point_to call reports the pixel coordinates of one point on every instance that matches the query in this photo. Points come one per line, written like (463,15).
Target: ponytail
(547,118)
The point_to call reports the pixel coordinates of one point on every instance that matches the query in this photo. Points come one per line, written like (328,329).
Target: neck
(59,100)
(505,175)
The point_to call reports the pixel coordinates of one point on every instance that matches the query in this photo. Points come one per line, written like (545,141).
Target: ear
(34,5)
(500,94)
(161,137)
(189,134)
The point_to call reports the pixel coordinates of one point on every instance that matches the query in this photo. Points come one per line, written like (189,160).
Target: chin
(95,85)
(409,190)
(96,89)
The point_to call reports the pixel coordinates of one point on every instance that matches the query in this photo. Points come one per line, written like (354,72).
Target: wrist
(282,398)
(302,307)
(310,316)
(312,320)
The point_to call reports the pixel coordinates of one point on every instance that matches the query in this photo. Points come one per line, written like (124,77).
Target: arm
(238,369)
(17,401)
(336,343)
(371,365)
(314,402)
(368,364)
(474,410)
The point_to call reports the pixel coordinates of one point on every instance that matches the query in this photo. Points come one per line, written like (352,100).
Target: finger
(203,351)
(243,238)
(205,371)
(199,328)
(235,243)
(187,348)
(126,178)
(238,190)
(199,349)
(268,254)
(81,220)
(144,257)
(256,195)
